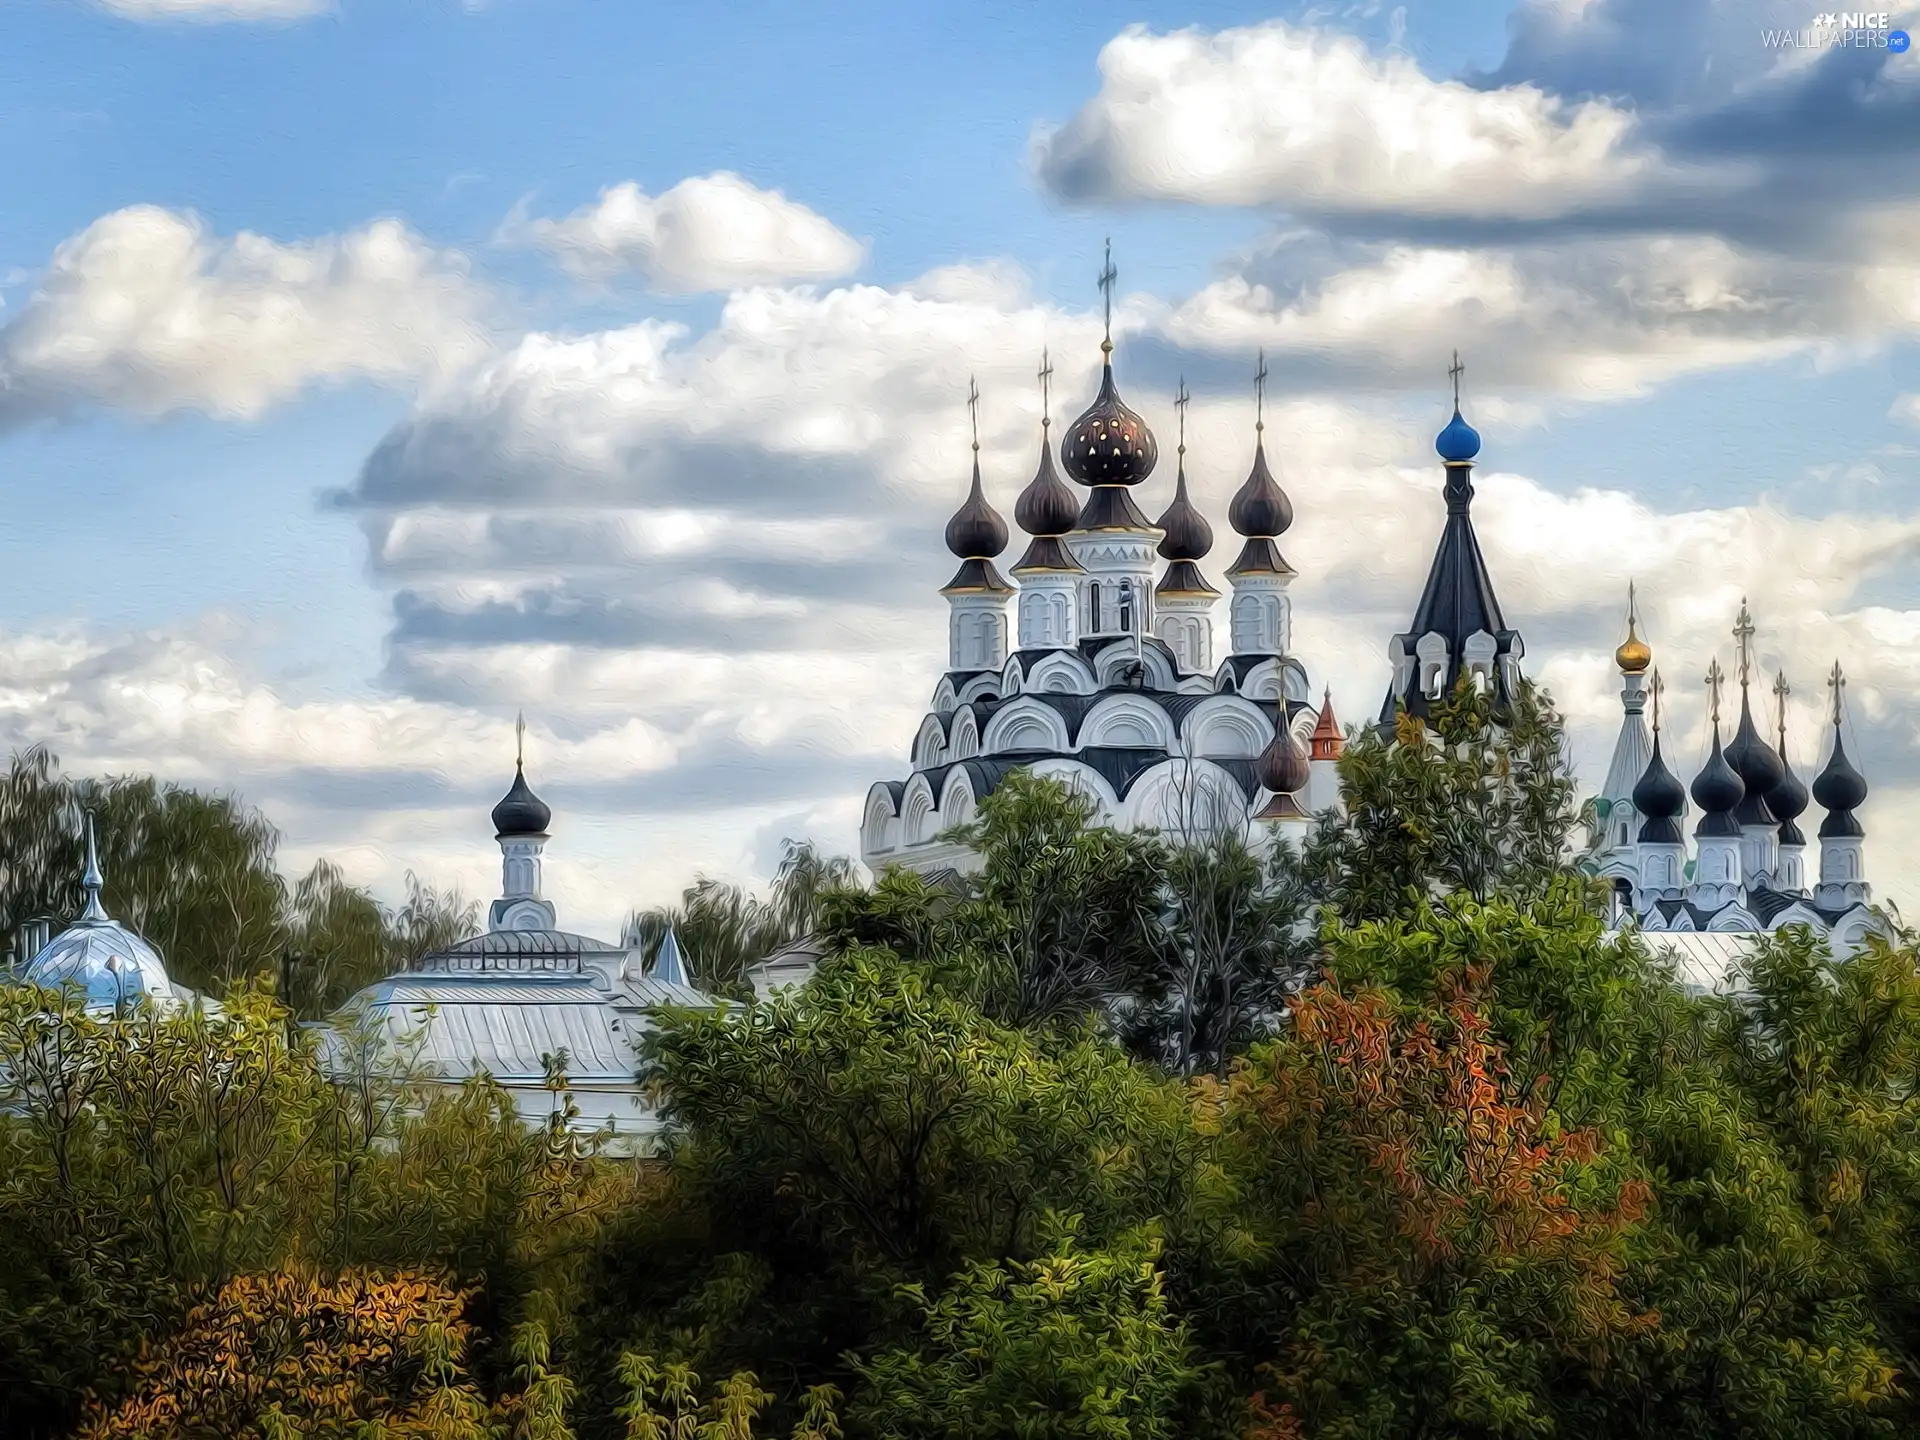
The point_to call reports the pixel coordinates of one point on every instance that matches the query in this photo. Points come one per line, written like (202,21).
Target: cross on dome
(1107,277)
(1715,678)
(973,410)
(1046,389)
(520,741)
(1781,690)
(1456,370)
(1836,682)
(1260,393)
(1180,402)
(1743,637)
(1657,688)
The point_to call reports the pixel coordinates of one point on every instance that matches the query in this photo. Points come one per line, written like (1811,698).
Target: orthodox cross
(1046,390)
(1456,372)
(1781,690)
(1107,276)
(1743,636)
(1836,682)
(520,741)
(1260,393)
(973,411)
(1180,402)
(1715,676)
(1658,688)
(1633,613)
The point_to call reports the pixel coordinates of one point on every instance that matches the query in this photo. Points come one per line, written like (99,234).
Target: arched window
(1126,606)
(1093,607)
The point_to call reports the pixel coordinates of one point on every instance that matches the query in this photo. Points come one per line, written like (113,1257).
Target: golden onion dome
(1634,655)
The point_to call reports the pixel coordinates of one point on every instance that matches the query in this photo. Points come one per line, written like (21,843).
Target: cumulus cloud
(1593,318)
(212,10)
(148,311)
(1312,121)
(709,232)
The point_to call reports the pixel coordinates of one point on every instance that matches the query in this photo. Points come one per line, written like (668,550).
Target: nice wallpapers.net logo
(1843,30)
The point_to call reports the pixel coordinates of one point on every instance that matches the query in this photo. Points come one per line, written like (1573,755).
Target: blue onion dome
(976,531)
(1046,506)
(1188,536)
(1717,790)
(1109,444)
(1659,797)
(520,811)
(1757,766)
(1260,508)
(1459,442)
(111,965)
(1840,790)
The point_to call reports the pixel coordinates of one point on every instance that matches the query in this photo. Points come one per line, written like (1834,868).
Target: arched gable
(930,742)
(1734,919)
(1065,672)
(1118,657)
(919,813)
(1227,727)
(1012,677)
(877,834)
(1128,722)
(1185,797)
(979,688)
(1025,724)
(956,798)
(1269,679)
(944,696)
(964,743)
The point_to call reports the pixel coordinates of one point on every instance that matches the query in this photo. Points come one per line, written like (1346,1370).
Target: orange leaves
(293,1347)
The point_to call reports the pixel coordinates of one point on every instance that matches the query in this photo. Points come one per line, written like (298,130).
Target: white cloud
(1590,318)
(1311,120)
(1907,409)
(148,311)
(241,10)
(709,232)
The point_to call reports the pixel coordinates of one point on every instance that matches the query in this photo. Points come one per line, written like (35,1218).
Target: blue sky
(1672,261)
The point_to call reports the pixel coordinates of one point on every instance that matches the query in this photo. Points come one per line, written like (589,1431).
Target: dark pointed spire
(1840,789)
(1750,755)
(1788,798)
(1658,795)
(1717,789)
(1458,601)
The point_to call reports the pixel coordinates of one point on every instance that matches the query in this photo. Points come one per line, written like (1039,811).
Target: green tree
(723,929)
(1478,801)
(1074,1344)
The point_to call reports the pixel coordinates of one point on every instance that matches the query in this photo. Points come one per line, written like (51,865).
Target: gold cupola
(1634,655)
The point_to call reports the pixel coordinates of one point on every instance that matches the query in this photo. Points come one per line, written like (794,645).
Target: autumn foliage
(298,1354)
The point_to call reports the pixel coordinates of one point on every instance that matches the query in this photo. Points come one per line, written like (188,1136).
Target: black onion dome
(1283,764)
(520,811)
(1188,536)
(1109,444)
(1840,790)
(1788,801)
(1260,508)
(1046,506)
(1759,769)
(976,531)
(1658,795)
(1717,790)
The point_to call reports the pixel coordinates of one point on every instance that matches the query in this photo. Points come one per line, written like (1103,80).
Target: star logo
(1823,22)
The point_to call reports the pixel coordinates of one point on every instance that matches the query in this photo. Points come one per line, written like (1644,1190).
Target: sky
(373,370)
